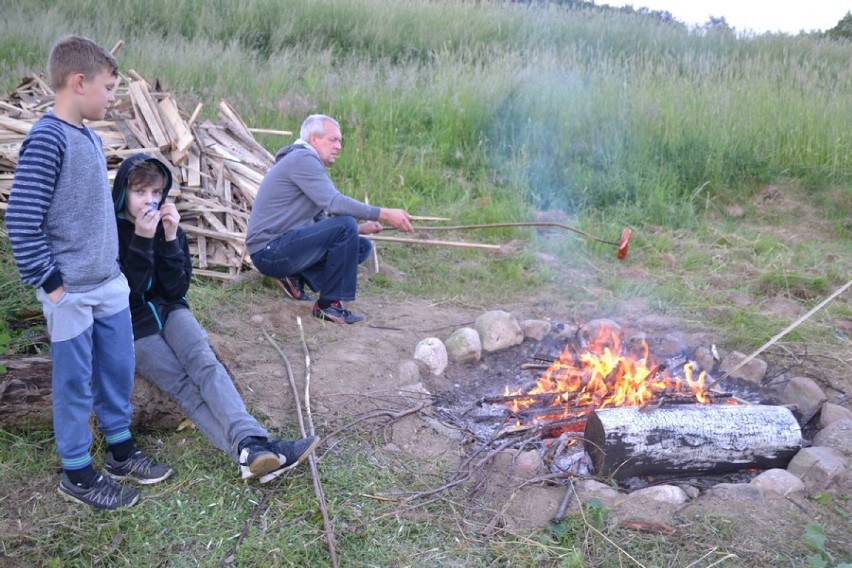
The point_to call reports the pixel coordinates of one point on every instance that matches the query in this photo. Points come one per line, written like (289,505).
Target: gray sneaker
(291,453)
(103,494)
(137,467)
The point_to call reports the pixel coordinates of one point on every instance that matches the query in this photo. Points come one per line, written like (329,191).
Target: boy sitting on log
(172,349)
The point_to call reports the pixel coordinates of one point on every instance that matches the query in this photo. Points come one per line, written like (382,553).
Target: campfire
(634,415)
(604,372)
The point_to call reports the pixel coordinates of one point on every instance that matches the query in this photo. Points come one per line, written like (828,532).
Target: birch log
(695,439)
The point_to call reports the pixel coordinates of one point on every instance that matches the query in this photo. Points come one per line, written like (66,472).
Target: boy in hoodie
(289,235)
(172,349)
(63,238)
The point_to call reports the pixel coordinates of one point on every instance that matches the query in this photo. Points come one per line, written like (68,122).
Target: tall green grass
(535,106)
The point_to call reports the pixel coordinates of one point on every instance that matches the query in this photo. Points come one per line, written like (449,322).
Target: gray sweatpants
(181,363)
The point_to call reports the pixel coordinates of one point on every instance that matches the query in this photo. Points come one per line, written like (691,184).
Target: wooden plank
(184,137)
(193,167)
(143,102)
(129,138)
(15,125)
(228,198)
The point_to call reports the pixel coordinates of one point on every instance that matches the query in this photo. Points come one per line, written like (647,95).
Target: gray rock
(779,482)
(408,372)
(736,492)
(588,489)
(817,466)
(753,371)
(599,329)
(528,464)
(831,413)
(691,491)
(806,395)
(704,357)
(670,346)
(838,436)
(498,330)
(535,329)
(565,331)
(463,345)
(667,494)
(432,353)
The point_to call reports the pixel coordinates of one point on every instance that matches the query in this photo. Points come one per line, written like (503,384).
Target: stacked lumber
(217,167)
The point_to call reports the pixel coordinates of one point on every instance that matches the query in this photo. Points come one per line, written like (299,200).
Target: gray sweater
(295,192)
(60,218)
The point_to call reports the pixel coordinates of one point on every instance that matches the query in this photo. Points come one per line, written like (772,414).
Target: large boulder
(464,346)
(498,330)
(432,355)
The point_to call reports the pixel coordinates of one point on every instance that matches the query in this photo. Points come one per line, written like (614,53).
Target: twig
(563,505)
(789,328)
(329,534)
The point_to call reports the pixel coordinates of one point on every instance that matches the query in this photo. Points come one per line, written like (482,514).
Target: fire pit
(634,416)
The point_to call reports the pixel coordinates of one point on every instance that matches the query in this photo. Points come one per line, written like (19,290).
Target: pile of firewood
(217,168)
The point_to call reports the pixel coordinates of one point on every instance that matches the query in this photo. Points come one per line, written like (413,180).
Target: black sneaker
(336,313)
(103,494)
(137,467)
(290,453)
(294,287)
(256,460)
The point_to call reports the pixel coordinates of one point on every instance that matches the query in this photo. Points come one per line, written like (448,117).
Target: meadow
(486,112)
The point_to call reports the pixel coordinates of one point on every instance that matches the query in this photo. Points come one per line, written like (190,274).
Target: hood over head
(119,186)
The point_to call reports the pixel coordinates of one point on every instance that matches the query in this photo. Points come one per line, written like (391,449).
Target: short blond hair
(76,54)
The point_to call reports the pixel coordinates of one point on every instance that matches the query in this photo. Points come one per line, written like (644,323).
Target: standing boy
(63,236)
(172,350)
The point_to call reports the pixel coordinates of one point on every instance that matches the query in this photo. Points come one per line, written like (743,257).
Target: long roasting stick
(789,328)
(519,224)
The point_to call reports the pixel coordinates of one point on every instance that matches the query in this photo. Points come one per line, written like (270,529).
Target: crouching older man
(303,231)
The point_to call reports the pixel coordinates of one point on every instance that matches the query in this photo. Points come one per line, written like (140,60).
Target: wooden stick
(117,47)
(789,328)
(459,244)
(269,131)
(329,534)
(521,224)
(426,218)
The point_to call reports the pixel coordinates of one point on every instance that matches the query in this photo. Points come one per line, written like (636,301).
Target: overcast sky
(757,15)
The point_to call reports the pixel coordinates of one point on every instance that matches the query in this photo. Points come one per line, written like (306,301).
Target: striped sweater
(60,213)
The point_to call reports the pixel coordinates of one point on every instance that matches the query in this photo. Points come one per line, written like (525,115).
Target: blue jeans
(326,255)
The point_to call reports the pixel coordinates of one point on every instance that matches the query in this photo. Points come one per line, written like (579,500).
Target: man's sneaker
(103,494)
(137,467)
(290,453)
(257,460)
(294,287)
(336,313)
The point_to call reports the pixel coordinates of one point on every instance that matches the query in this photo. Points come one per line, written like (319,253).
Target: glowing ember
(605,374)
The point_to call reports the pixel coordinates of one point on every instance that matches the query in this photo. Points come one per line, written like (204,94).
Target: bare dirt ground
(355,369)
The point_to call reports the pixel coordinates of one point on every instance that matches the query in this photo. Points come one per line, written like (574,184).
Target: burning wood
(602,372)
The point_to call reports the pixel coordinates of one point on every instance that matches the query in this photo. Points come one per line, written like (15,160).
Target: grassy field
(486,112)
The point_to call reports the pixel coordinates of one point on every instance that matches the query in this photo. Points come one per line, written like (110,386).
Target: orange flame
(606,375)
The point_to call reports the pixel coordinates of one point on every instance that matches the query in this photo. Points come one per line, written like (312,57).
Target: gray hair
(315,125)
